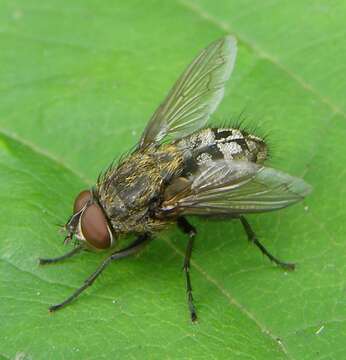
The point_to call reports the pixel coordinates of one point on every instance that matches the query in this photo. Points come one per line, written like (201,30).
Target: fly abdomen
(219,143)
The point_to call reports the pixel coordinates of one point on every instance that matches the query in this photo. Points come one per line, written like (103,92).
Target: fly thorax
(128,191)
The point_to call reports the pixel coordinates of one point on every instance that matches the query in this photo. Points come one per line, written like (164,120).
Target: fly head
(89,223)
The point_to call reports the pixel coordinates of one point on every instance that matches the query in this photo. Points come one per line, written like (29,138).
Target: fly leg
(133,248)
(253,238)
(187,228)
(74,251)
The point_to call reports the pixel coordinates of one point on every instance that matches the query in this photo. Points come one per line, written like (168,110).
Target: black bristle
(243,123)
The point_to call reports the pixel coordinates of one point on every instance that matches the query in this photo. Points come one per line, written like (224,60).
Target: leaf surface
(78,82)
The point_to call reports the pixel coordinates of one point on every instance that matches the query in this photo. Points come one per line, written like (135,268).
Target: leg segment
(133,248)
(187,228)
(71,253)
(253,238)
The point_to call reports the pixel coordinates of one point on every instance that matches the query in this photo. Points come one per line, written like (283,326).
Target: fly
(180,167)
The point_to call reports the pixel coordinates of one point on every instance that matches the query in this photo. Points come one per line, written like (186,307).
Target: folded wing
(195,95)
(227,187)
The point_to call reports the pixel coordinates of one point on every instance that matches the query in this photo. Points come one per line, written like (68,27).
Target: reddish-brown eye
(95,228)
(81,200)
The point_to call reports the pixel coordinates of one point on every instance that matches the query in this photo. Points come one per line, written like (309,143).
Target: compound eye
(81,200)
(94,227)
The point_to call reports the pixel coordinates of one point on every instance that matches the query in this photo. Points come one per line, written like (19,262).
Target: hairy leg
(253,238)
(133,248)
(74,251)
(187,228)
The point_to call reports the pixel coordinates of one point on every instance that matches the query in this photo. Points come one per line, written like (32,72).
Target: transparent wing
(235,187)
(195,95)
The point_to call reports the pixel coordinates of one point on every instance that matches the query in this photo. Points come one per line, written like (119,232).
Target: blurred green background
(78,82)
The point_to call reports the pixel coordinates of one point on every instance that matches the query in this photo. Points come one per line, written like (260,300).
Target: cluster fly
(181,167)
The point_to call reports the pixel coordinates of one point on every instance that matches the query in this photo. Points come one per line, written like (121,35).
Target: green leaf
(78,82)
